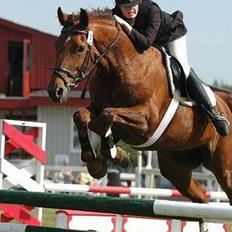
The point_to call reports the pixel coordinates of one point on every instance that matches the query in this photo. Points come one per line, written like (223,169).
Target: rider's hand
(119,20)
(127,27)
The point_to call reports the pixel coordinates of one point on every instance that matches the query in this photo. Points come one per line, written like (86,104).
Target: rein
(82,72)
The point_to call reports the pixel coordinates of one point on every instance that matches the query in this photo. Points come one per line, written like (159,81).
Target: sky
(209,24)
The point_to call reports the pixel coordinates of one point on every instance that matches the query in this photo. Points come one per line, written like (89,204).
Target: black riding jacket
(152,26)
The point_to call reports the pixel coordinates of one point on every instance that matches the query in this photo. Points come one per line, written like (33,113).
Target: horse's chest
(113,94)
(111,99)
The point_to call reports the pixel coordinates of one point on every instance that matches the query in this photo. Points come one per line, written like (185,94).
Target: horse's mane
(95,14)
(105,13)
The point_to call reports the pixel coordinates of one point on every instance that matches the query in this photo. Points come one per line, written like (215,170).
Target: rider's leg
(201,93)
(178,49)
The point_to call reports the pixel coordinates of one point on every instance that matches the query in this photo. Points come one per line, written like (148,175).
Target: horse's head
(75,57)
(72,55)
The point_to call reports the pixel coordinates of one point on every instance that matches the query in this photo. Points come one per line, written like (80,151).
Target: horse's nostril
(59,92)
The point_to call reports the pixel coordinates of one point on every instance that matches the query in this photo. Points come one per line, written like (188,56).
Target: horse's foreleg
(81,119)
(95,165)
(132,121)
(126,123)
(121,158)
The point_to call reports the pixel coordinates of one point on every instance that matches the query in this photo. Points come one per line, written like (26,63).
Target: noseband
(82,72)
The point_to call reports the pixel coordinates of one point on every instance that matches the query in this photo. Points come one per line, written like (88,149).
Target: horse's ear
(84,19)
(63,18)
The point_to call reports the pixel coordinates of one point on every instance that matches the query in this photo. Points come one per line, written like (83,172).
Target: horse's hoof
(87,156)
(97,168)
(122,158)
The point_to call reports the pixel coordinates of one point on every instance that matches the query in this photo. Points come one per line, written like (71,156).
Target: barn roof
(21,28)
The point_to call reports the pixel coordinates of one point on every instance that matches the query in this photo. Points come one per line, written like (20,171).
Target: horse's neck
(124,62)
(105,34)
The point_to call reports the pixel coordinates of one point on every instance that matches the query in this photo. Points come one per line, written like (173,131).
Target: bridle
(83,73)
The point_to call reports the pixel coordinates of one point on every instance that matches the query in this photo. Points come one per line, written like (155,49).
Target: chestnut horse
(129,94)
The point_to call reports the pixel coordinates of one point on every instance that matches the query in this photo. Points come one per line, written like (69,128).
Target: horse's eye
(80,49)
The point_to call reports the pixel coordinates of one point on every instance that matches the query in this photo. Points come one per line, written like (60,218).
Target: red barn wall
(43,48)
(7,35)
(3,62)
(43,53)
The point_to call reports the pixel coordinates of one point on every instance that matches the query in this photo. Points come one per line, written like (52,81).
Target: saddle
(176,79)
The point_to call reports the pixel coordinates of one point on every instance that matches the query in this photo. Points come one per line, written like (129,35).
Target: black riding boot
(199,95)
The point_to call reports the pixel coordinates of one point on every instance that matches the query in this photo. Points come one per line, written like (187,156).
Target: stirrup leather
(218,117)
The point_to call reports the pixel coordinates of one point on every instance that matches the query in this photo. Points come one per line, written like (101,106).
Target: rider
(146,25)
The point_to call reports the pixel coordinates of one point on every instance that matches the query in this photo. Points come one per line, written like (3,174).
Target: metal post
(203,226)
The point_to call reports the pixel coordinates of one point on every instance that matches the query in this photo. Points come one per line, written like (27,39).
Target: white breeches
(178,49)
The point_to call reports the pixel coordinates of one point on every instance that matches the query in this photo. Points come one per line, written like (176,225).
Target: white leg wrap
(113,150)
(178,49)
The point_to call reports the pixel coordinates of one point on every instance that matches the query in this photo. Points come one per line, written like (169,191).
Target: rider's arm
(126,26)
(145,37)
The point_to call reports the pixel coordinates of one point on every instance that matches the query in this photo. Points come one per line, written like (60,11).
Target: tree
(222,85)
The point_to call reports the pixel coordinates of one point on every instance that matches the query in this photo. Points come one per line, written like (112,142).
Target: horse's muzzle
(58,94)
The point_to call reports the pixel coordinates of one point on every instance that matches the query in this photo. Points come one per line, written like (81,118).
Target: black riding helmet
(134,2)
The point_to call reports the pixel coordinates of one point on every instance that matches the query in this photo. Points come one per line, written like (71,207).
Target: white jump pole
(131,191)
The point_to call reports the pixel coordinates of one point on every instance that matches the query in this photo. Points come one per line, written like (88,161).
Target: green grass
(49,217)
